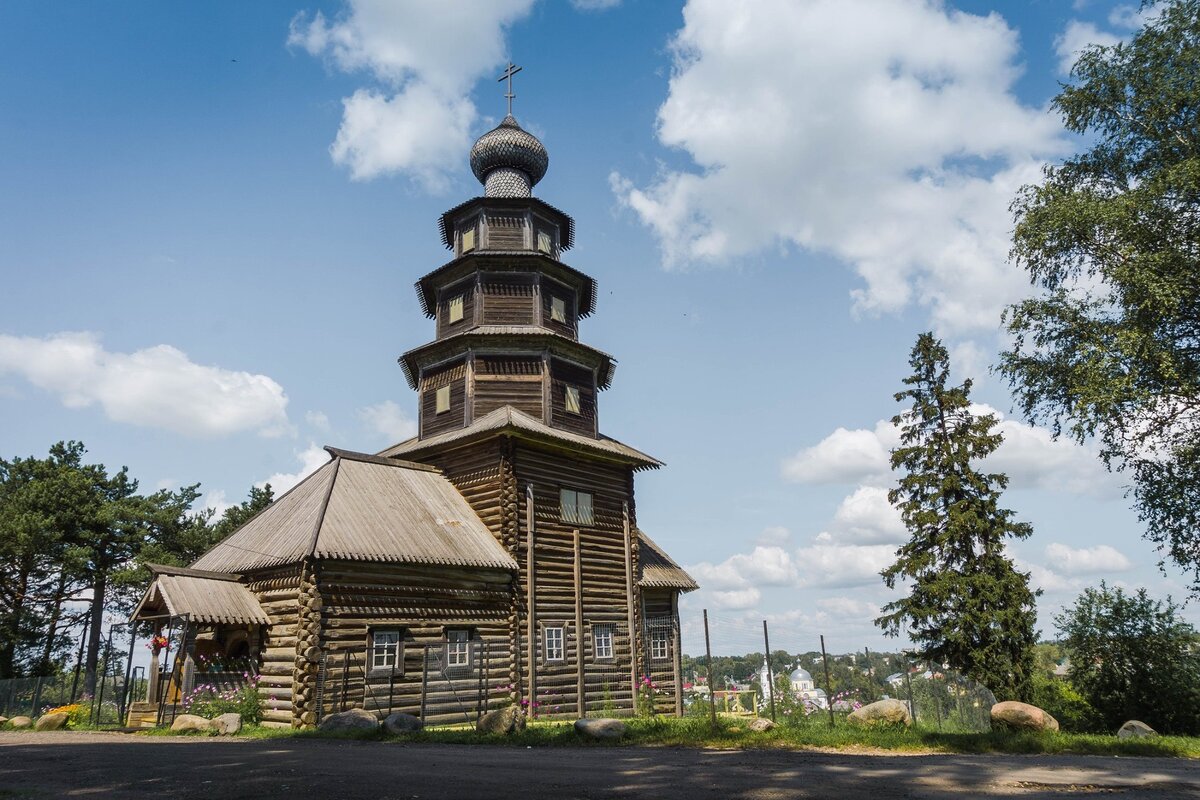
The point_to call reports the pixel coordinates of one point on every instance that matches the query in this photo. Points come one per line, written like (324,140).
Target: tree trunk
(12,626)
(44,666)
(99,588)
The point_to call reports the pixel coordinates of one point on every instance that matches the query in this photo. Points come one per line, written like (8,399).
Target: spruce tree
(968,605)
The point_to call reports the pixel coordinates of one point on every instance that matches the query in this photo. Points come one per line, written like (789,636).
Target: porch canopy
(203,597)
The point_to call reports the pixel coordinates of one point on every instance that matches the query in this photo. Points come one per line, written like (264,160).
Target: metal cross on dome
(511,70)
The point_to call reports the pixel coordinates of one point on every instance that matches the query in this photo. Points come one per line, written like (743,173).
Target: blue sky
(211,218)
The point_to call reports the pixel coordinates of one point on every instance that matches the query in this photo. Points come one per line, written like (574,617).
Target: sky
(211,218)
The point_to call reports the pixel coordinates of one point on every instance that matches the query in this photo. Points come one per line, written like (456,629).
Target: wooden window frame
(558,309)
(397,651)
(467,238)
(570,393)
(438,406)
(569,511)
(659,639)
(601,631)
(548,238)
(458,647)
(454,309)
(561,630)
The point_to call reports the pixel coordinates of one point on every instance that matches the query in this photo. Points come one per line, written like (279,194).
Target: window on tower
(558,310)
(544,243)
(576,507)
(572,400)
(455,311)
(443,399)
(468,240)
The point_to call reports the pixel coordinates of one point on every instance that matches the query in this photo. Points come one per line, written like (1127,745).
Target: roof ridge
(316,534)
(383,461)
(188,572)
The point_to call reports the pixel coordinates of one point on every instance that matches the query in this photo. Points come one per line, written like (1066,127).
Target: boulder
(761,725)
(881,712)
(1022,717)
(20,722)
(187,723)
(227,724)
(51,722)
(600,728)
(353,720)
(3,719)
(503,721)
(399,724)
(1135,729)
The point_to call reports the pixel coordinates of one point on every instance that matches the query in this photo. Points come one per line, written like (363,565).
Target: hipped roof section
(510,421)
(659,570)
(566,224)
(203,597)
(363,508)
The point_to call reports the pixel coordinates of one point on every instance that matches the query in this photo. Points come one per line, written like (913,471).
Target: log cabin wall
(464,290)
(508,299)
(422,602)
(661,631)
(602,581)
(454,376)
(507,231)
(562,375)
(509,380)
(277,592)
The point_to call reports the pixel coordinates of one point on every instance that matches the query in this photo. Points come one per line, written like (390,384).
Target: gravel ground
(69,764)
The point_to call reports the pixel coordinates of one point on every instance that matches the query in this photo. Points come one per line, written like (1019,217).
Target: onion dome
(800,675)
(509,160)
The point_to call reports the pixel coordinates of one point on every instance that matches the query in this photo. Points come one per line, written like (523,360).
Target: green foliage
(1065,703)
(210,701)
(968,606)
(1110,348)
(1133,658)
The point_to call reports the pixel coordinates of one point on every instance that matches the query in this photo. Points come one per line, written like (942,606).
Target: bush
(77,714)
(210,701)
(1064,702)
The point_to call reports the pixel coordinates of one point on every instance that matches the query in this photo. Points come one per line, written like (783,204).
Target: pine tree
(968,606)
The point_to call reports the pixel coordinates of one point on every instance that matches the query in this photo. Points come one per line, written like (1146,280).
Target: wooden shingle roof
(513,421)
(202,597)
(659,570)
(366,508)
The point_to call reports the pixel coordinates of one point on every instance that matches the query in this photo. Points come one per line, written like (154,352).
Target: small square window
(544,242)
(458,648)
(443,399)
(455,310)
(576,507)
(468,240)
(558,310)
(658,646)
(572,400)
(554,644)
(385,648)
(602,641)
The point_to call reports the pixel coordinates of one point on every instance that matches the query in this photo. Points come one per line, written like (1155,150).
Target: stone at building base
(227,724)
(353,720)
(187,723)
(1015,716)
(600,728)
(1135,729)
(503,721)
(761,725)
(51,722)
(20,723)
(399,724)
(881,712)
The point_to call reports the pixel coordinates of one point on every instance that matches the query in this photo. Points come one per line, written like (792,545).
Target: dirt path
(118,766)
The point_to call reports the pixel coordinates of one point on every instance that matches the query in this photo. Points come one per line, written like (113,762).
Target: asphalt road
(118,766)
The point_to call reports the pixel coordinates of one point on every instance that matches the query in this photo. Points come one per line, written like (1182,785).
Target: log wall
(278,593)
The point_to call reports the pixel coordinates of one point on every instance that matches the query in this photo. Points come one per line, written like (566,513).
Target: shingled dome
(508,160)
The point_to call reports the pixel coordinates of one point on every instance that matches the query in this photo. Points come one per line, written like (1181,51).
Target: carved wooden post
(581,706)
(510,539)
(634,638)
(531,600)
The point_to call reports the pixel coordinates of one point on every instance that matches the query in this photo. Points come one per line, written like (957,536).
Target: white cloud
(311,459)
(823,564)
(217,501)
(866,517)
(1094,560)
(764,566)
(317,420)
(737,599)
(774,534)
(845,456)
(847,126)
(426,54)
(1077,36)
(594,5)
(849,608)
(389,420)
(158,387)
(1029,455)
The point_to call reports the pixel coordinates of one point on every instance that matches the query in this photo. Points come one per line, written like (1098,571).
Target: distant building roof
(363,507)
(507,418)
(800,674)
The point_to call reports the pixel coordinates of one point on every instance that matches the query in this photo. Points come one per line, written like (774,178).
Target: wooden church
(493,559)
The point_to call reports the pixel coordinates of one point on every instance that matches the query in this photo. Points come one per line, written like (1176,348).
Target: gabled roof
(202,596)
(366,508)
(659,570)
(509,420)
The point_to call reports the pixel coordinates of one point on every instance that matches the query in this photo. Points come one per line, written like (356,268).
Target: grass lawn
(733,734)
